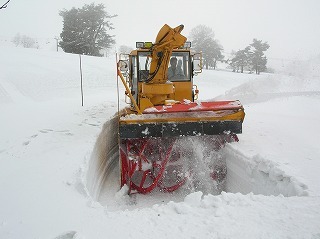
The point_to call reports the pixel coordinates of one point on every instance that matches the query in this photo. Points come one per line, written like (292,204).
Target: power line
(5,5)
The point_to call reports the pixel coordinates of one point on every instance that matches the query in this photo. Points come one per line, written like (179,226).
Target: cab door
(183,81)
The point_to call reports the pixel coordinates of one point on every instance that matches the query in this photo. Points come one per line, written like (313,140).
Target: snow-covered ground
(47,140)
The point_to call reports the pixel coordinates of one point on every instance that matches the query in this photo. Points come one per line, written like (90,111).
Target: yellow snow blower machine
(164,114)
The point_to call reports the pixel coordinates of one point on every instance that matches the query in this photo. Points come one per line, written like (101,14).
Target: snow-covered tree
(202,38)
(258,60)
(252,57)
(85,30)
(241,59)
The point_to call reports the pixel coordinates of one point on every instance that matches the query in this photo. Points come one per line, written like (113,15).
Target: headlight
(187,44)
(139,44)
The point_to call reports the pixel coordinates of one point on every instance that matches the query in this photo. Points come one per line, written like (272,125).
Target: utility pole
(81,80)
(57,39)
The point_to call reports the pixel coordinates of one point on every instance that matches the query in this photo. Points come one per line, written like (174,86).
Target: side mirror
(197,63)
(123,65)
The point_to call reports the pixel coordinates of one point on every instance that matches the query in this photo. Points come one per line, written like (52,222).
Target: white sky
(291,27)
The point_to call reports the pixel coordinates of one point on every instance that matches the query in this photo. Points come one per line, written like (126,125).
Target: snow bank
(259,176)
(104,158)
(273,86)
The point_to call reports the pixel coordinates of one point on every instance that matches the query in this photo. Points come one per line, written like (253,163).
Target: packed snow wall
(104,158)
(259,176)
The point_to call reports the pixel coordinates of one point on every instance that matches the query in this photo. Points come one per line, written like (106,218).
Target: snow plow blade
(183,119)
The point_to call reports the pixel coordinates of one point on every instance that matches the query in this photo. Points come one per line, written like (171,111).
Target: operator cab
(182,79)
(182,66)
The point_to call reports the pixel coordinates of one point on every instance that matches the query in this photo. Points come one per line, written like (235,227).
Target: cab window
(179,67)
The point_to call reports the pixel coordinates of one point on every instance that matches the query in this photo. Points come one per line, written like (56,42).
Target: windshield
(178,69)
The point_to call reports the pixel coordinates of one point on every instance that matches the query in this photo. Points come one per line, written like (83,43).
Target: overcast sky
(291,27)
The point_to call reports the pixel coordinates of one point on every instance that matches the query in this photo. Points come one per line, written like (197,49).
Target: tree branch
(4,5)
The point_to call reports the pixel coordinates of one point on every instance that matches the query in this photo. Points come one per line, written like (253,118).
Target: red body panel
(194,107)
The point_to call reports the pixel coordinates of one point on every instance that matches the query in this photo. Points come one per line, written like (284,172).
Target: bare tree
(28,42)
(25,41)
(17,39)
(5,5)
(125,49)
